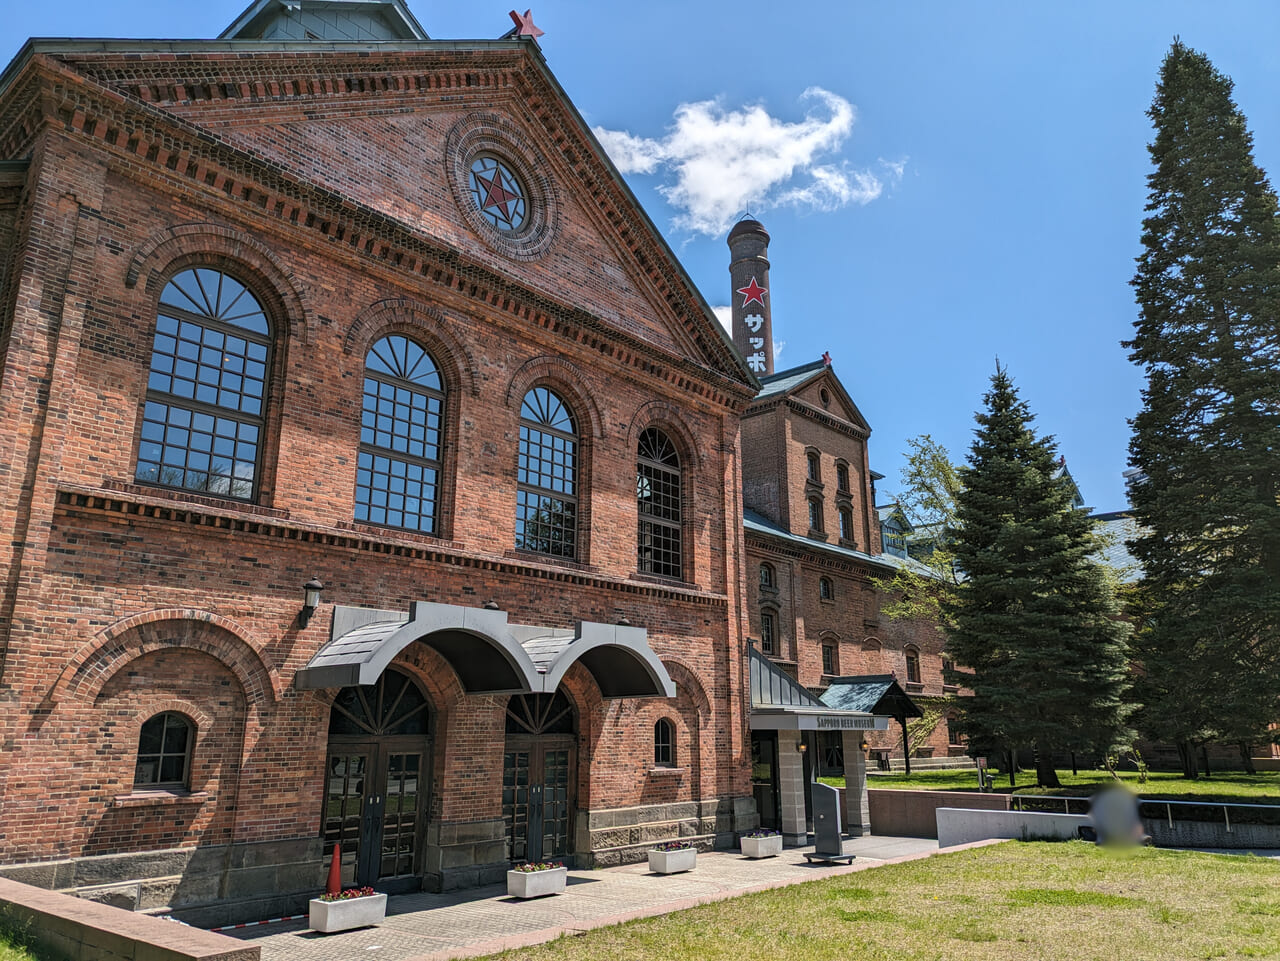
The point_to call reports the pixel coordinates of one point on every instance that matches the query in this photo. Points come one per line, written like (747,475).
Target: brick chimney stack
(749,276)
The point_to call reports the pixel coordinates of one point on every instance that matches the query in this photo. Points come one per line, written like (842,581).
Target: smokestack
(749,276)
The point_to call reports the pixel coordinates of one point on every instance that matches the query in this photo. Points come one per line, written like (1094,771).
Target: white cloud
(722,162)
(724,314)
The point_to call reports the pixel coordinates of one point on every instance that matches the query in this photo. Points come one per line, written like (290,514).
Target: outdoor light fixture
(863,746)
(310,599)
(802,747)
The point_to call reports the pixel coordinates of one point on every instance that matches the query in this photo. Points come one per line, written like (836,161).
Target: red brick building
(815,550)
(374,316)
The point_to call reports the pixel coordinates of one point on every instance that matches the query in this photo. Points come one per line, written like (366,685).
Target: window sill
(950,688)
(667,771)
(817,535)
(160,798)
(826,600)
(183,495)
(660,579)
(914,687)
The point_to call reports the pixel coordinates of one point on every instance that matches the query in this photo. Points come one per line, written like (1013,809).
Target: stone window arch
(205,411)
(768,576)
(547,476)
(913,665)
(815,514)
(813,466)
(826,589)
(401,437)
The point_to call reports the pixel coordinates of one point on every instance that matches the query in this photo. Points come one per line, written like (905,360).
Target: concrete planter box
(766,847)
(536,884)
(330,916)
(673,862)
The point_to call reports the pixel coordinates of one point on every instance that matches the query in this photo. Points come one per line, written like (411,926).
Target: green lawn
(1014,901)
(14,946)
(1224,786)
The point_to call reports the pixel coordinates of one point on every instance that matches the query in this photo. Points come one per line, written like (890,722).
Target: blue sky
(962,181)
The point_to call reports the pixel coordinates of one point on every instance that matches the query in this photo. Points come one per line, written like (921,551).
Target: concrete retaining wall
(910,814)
(87,931)
(1210,834)
(959,826)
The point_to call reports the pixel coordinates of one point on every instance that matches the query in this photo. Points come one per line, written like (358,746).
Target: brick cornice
(233,519)
(807,411)
(145,138)
(778,547)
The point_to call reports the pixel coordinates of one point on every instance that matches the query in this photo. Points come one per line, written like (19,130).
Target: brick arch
(687,681)
(420,321)
(670,420)
(184,245)
(564,377)
(130,638)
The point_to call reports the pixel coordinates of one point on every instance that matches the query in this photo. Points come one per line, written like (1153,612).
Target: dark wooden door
(538,778)
(377,781)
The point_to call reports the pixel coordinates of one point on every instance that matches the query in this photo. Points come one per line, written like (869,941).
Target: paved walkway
(435,927)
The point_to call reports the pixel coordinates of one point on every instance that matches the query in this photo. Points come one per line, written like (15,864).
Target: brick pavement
(480,921)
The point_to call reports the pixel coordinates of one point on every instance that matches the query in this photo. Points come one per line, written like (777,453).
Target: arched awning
(489,655)
(477,644)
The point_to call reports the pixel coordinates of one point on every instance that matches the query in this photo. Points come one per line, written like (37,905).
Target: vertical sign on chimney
(749,276)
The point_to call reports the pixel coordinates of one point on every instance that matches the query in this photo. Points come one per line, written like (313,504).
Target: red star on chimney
(753,293)
(525,26)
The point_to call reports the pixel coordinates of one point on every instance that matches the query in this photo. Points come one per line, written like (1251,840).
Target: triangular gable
(879,694)
(354,20)
(807,383)
(611,264)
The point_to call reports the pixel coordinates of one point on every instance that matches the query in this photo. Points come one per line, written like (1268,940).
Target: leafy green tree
(1207,439)
(930,485)
(1034,616)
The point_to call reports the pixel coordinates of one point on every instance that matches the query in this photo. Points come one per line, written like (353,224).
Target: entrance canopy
(780,703)
(874,693)
(489,655)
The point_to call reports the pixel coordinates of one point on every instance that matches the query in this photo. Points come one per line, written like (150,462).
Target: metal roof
(871,693)
(784,381)
(755,523)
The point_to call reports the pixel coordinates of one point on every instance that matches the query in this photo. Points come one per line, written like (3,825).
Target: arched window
(398,472)
(659,536)
(954,737)
(547,476)
(846,524)
(913,666)
(203,420)
(842,477)
(826,591)
(829,665)
(164,752)
(768,633)
(815,514)
(767,576)
(814,466)
(664,744)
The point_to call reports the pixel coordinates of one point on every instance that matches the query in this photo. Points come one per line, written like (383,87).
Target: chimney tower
(749,276)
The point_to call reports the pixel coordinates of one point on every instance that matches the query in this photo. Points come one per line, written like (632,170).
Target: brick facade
(327,183)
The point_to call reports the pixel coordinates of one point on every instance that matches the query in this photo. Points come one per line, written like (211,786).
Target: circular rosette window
(490,164)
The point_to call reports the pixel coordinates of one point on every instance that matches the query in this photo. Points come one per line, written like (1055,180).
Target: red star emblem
(525,26)
(496,195)
(753,293)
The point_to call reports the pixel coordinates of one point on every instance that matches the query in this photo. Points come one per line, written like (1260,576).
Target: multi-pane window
(164,752)
(829,659)
(947,667)
(815,514)
(664,744)
(659,534)
(846,524)
(202,424)
(842,478)
(767,578)
(826,590)
(398,468)
(913,667)
(547,476)
(954,737)
(768,631)
(814,467)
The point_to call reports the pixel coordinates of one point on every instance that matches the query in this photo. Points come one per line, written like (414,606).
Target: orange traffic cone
(334,884)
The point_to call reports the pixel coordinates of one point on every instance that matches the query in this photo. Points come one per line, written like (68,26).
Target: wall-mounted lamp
(863,746)
(310,600)
(802,747)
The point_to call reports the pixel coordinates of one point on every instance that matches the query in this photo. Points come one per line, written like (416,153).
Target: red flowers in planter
(349,893)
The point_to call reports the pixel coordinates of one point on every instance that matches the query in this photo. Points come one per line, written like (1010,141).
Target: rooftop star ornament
(525,27)
(753,293)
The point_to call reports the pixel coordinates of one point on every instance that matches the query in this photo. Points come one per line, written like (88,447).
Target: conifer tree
(1207,439)
(1034,617)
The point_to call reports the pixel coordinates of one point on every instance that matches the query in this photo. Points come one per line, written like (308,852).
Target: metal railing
(1246,813)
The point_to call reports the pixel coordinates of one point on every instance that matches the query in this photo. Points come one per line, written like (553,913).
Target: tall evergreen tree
(1035,617)
(1207,439)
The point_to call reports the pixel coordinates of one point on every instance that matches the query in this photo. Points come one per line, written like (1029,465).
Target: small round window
(498,195)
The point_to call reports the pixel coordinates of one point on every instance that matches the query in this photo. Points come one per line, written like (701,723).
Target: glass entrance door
(764,777)
(376,783)
(538,777)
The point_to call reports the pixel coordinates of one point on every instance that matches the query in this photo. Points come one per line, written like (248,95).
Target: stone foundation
(624,835)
